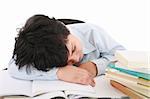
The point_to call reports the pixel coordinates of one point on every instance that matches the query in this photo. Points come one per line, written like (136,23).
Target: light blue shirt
(98,47)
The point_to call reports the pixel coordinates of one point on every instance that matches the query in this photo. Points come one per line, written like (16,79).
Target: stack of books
(131,73)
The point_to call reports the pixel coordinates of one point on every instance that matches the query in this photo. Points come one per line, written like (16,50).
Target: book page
(103,89)
(12,86)
(39,87)
(50,95)
(133,59)
(16,97)
(55,94)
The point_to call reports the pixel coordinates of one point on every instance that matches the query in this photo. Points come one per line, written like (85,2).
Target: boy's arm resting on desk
(68,73)
(33,75)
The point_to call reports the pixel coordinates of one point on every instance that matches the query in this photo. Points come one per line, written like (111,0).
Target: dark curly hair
(41,43)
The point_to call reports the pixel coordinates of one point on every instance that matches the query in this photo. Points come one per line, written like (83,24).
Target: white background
(127,21)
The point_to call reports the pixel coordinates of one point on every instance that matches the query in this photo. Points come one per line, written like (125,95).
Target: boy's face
(75,49)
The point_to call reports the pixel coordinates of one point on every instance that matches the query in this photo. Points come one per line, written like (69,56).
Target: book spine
(127,91)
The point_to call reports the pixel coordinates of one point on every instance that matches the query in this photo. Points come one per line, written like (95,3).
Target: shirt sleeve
(106,47)
(33,74)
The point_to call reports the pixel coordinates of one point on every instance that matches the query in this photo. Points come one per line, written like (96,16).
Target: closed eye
(74,49)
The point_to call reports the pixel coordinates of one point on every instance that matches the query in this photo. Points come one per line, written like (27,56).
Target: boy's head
(41,43)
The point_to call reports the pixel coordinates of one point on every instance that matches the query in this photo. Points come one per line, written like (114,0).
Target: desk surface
(104,89)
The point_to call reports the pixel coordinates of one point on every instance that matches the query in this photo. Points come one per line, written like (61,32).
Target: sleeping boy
(47,49)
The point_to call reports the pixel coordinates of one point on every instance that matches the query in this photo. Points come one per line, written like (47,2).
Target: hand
(74,74)
(90,67)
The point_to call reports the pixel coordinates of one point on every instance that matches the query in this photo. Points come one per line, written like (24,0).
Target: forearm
(90,67)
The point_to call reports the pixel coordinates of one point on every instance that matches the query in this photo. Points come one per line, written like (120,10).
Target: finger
(85,80)
(92,82)
(85,72)
(88,81)
(91,75)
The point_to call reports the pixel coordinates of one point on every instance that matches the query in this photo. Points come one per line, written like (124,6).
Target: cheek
(81,55)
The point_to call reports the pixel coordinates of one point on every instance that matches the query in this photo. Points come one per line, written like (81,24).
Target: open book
(49,89)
